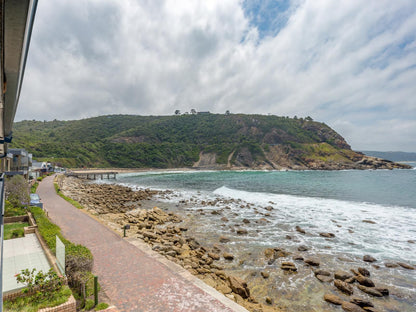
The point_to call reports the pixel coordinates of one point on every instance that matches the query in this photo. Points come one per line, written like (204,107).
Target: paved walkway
(131,278)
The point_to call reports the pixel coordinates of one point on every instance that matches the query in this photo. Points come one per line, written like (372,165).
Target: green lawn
(14,230)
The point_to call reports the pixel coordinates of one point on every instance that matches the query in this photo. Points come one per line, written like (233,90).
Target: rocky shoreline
(344,284)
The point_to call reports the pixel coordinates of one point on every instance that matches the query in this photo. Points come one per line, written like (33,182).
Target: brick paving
(132,279)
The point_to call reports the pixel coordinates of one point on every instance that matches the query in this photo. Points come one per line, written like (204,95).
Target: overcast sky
(350,64)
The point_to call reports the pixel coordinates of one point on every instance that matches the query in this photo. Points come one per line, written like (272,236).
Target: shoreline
(274,269)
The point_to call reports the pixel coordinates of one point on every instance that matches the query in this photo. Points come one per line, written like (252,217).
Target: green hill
(198,140)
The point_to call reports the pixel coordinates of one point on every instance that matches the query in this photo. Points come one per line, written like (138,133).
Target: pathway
(132,279)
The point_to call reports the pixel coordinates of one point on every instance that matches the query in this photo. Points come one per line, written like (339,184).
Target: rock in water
(368,258)
(344,287)
(342,275)
(361,302)
(227,256)
(327,235)
(300,230)
(350,307)
(370,290)
(364,272)
(364,281)
(288,266)
(312,262)
(333,299)
(405,265)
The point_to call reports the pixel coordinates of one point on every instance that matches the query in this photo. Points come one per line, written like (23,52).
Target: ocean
(370,212)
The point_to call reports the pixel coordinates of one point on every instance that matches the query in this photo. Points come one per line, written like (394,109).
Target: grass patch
(28,304)
(68,199)
(14,230)
(13,211)
(101,306)
(34,187)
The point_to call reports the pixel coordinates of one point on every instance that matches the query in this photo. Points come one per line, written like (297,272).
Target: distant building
(17,161)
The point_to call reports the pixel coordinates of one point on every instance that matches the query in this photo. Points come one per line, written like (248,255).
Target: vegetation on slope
(237,140)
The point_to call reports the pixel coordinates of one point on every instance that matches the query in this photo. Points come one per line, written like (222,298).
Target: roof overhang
(17,17)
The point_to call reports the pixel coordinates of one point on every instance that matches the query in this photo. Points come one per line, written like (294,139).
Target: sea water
(369,211)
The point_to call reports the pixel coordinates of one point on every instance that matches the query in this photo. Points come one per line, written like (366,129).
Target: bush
(17,191)
(12,211)
(44,285)
(89,304)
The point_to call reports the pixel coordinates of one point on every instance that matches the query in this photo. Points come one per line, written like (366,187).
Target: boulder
(370,290)
(369,221)
(297,258)
(264,274)
(239,286)
(312,262)
(324,279)
(214,256)
(224,219)
(350,307)
(327,235)
(368,258)
(364,272)
(333,299)
(302,248)
(361,302)
(342,275)
(242,231)
(383,291)
(391,265)
(405,265)
(365,281)
(300,230)
(344,287)
(224,239)
(322,272)
(246,221)
(268,300)
(227,256)
(288,266)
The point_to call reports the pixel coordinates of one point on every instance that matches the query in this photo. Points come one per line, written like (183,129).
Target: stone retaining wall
(69,306)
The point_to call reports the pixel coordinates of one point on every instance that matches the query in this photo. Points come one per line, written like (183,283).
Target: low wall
(69,306)
(24,218)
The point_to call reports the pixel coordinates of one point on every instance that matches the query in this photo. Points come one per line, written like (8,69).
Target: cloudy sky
(350,64)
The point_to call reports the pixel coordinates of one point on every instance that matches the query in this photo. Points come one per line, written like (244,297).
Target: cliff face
(201,141)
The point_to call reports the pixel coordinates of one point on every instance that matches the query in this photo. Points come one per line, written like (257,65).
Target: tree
(177,112)
(17,190)
(193,111)
(227,112)
(309,118)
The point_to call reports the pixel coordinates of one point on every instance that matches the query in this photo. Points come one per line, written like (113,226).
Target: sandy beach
(260,279)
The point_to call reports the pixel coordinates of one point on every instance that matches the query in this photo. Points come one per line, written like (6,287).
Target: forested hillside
(201,140)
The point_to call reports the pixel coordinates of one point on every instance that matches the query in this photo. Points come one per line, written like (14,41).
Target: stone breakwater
(264,281)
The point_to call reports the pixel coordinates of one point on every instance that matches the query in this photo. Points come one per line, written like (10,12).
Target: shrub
(44,285)
(17,191)
(11,210)
(89,304)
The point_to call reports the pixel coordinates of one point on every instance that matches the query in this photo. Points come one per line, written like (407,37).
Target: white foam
(387,238)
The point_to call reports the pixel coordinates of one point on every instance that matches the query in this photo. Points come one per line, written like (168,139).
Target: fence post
(95,290)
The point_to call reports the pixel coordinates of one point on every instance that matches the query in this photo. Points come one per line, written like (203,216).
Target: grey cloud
(350,64)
